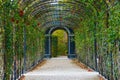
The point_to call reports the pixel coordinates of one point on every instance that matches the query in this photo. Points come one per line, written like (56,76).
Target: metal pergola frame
(52,14)
(45,9)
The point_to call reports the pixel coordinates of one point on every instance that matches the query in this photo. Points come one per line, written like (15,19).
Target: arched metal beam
(64,13)
(36,3)
(58,17)
(53,28)
(42,8)
(58,23)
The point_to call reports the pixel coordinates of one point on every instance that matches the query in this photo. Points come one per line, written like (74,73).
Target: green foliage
(107,40)
(62,41)
(98,31)
(19,32)
(54,46)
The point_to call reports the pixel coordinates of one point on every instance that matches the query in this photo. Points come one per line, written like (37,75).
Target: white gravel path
(61,68)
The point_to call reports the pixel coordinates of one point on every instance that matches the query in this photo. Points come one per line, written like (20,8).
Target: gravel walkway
(60,68)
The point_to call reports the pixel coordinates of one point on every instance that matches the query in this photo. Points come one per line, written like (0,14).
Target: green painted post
(24,48)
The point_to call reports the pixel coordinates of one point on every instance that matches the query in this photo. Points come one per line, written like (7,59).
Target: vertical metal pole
(4,45)
(119,57)
(95,45)
(4,22)
(15,77)
(111,56)
(68,45)
(24,48)
(49,45)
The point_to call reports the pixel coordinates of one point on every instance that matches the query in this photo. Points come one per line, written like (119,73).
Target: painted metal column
(95,43)
(47,46)
(15,69)
(69,46)
(24,48)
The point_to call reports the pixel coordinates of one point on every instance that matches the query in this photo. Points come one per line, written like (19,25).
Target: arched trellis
(92,7)
(58,23)
(55,14)
(65,16)
(39,8)
(71,44)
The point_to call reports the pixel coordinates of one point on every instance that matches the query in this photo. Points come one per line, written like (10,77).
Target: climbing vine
(107,40)
(96,28)
(22,39)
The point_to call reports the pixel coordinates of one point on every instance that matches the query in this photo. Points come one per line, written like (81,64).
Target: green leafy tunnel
(96,26)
